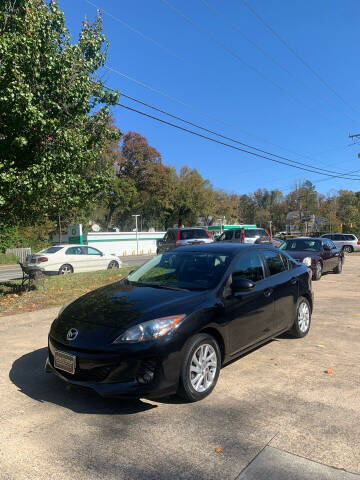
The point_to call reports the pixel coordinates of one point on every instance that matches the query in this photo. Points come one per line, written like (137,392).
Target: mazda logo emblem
(72,334)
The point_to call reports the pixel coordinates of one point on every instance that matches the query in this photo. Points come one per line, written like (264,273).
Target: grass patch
(8,259)
(54,291)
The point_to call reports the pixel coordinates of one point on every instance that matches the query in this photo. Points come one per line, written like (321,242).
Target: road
(13,272)
(274,413)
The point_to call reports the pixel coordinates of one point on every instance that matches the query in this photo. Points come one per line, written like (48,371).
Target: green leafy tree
(54,113)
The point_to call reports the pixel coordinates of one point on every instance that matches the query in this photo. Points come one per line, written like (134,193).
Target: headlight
(307,261)
(150,330)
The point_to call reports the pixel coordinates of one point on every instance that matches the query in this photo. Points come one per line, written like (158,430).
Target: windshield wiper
(156,285)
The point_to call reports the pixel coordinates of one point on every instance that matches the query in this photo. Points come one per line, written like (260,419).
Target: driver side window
(249,266)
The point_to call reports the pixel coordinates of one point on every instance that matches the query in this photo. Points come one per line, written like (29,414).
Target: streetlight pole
(136,226)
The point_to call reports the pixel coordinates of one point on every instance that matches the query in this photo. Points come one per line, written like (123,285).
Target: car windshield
(183,270)
(51,250)
(302,245)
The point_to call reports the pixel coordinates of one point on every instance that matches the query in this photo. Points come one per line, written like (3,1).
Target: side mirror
(240,284)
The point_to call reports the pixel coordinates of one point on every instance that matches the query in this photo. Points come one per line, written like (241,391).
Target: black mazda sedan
(170,325)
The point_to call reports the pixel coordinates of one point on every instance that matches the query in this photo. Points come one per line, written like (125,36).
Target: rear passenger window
(74,251)
(227,235)
(237,233)
(287,262)
(349,237)
(338,237)
(274,261)
(249,266)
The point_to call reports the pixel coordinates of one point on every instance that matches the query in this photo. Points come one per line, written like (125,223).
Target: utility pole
(136,226)
(270,224)
(355,137)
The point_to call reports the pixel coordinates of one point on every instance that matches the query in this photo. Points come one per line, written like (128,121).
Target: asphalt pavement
(274,414)
(13,272)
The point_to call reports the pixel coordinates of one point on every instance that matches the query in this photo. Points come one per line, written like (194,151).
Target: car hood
(107,312)
(300,255)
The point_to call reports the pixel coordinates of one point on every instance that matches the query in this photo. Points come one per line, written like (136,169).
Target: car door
(76,258)
(249,315)
(94,259)
(327,255)
(285,287)
(335,253)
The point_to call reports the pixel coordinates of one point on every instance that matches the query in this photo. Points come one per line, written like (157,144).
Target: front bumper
(112,375)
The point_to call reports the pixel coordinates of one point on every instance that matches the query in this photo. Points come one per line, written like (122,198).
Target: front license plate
(64,361)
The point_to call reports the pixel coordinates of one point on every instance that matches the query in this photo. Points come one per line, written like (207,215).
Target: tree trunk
(60,230)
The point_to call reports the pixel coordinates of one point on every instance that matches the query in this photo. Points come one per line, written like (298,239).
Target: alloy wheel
(65,269)
(303,317)
(203,368)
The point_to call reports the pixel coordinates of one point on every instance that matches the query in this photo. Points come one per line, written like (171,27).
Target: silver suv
(179,237)
(245,235)
(346,241)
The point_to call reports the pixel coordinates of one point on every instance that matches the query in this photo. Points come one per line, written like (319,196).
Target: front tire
(348,248)
(113,264)
(66,269)
(302,320)
(318,271)
(338,268)
(200,368)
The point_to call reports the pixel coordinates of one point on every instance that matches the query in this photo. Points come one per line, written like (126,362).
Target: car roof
(222,247)
(188,228)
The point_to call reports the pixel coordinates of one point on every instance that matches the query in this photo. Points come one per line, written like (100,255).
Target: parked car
(180,237)
(319,254)
(170,325)
(347,241)
(63,259)
(245,235)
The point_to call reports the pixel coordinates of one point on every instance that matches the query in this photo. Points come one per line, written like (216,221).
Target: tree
(54,113)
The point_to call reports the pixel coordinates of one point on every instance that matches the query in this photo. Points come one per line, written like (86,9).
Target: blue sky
(299,114)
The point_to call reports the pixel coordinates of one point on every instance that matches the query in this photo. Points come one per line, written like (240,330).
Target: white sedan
(63,259)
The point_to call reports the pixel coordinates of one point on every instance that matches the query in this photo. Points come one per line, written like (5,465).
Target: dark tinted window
(193,233)
(255,232)
(74,251)
(227,235)
(327,235)
(274,262)
(52,250)
(171,236)
(349,237)
(337,237)
(249,266)
(287,262)
(238,234)
(91,251)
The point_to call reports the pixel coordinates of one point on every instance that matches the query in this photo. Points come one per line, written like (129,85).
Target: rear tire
(338,268)
(200,368)
(302,320)
(348,248)
(113,264)
(65,269)
(318,271)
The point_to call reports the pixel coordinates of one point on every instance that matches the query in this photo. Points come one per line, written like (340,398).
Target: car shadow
(27,373)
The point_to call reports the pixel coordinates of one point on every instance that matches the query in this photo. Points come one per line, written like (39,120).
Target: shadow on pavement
(27,373)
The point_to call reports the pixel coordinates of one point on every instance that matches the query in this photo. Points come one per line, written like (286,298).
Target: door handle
(268,292)
(293,281)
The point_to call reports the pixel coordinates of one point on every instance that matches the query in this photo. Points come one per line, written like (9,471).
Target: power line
(195,66)
(264,52)
(314,72)
(212,117)
(227,144)
(226,137)
(239,58)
